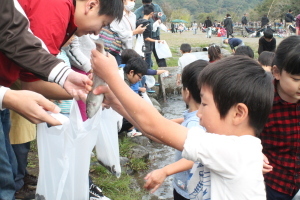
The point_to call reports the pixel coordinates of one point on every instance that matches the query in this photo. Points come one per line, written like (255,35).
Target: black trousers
(178,196)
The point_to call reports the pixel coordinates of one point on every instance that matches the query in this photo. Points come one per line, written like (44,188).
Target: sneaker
(96,193)
(25,193)
(133,133)
(30,180)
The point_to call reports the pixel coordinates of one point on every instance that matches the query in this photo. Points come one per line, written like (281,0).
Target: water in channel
(161,155)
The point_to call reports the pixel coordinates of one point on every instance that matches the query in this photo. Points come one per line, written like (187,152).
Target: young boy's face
(209,114)
(289,85)
(134,78)
(88,20)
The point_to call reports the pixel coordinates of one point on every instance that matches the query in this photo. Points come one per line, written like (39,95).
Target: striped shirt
(281,144)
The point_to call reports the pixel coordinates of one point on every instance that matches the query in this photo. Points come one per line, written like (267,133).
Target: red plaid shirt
(281,144)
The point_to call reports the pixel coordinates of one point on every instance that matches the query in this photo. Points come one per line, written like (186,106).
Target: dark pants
(148,60)
(126,125)
(178,196)
(21,152)
(275,195)
(160,62)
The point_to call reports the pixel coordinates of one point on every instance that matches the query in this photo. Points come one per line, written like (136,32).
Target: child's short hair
(127,54)
(214,53)
(266,58)
(189,78)
(185,48)
(137,64)
(268,34)
(284,48)
(112,8)
(239,79)
(148,9)
(292,61)
(244,51)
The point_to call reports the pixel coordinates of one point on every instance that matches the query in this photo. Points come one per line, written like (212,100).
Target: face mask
(130,5)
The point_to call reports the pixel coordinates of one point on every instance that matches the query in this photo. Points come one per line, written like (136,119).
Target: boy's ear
(276,72)
(91,4)
(240,113)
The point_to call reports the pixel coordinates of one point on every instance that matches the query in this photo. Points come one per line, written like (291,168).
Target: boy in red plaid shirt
(281,134)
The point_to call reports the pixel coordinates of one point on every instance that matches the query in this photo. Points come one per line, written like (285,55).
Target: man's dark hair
(240,79)
(137,64)
(290,10)
(185,48)
(127,54)
(146,1)
(113,8)
(244,51)
(268,34)
(266,58)
(227,15)
(207,17)
(214,53)
(190,75)
(148,9)
(283,50)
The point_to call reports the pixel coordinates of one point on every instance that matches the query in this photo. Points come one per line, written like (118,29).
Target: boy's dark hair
(240,79)
(146,1)
(185,48)
(268,34)
(190,75)
(227,15)
(148,9)
(266,58)
(137,64)
(112,8)
(127,54)
(214,53)
(287,45)
(290,10)
(244,51)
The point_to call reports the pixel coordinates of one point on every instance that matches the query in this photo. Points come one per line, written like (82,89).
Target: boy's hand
(266,167)
(104,66)
(78,85)
(154,180)
(142,89)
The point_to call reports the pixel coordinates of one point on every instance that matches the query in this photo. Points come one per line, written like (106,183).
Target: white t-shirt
(184,60)
(235,164)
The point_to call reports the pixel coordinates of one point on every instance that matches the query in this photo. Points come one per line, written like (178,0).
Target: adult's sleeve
(19,44)
(2,93)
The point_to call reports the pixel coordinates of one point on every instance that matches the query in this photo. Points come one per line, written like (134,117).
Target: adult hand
(31,105)
(266,167)
(139,29)
(78,85)
(142,89)
(154,180)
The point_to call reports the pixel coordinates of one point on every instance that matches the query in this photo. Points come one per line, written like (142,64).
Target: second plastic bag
(162,50)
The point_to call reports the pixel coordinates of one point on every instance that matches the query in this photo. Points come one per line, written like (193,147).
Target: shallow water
(161,155)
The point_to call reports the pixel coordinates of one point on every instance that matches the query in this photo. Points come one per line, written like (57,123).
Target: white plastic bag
(146,98)
(139,45)
(163,27)
(162,50)
(107,145)
(155,26)
(150,81)
(64,157)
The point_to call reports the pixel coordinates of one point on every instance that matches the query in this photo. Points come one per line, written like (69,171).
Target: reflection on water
(161,155)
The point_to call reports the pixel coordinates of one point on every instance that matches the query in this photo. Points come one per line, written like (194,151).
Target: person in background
(244,50)
(184,60)
(267,42)
(208,25)
(159,17)
(194,27)
(228,25)
(214,53)
(298,25)
(266,59)
(233,42)
(264,21)
(289,19)
(244,22)
(126,28)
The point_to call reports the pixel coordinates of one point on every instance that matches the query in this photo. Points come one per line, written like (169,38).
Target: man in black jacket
(244,24)
(289,18)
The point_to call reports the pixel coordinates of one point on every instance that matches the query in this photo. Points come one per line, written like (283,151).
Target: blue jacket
(140,14)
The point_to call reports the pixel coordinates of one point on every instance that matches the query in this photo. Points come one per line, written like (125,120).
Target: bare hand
(139,29)
(104,66)
(31,105)
(142,89)
(154,180)
(78,85)
(266,167)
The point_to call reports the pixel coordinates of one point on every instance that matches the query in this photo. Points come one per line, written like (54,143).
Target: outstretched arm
(145,115)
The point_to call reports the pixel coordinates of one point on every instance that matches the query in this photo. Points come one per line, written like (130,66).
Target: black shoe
(30,180)
(96,193)
(25,193)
